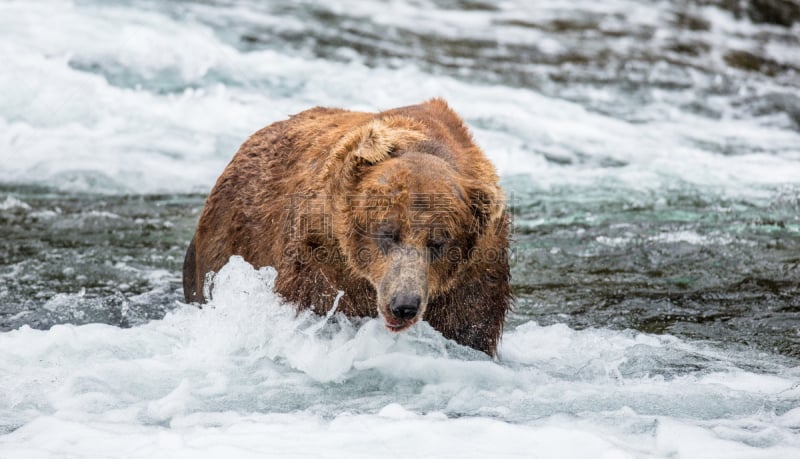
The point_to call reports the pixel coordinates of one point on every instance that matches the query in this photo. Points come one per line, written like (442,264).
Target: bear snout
(405,306)
(403,291)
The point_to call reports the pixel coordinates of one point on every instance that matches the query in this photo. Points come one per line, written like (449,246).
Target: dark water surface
(685,264)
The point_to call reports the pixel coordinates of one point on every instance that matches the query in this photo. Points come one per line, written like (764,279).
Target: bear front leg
(473,314)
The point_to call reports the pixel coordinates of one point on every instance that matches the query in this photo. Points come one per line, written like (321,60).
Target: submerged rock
(779,12)
(745,60)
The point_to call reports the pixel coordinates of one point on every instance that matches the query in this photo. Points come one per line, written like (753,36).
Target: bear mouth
(396,325)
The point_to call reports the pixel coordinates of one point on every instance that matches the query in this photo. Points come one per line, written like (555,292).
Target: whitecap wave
(124,99)
(248,364)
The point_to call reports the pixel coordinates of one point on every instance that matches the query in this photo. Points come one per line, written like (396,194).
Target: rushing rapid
(246,375)
(650,152)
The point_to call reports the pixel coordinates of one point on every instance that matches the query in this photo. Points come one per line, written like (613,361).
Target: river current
(650,152)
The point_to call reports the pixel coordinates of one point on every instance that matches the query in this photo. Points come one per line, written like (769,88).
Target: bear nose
(405,306)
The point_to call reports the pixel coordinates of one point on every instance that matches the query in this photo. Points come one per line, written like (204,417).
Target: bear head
(405,218)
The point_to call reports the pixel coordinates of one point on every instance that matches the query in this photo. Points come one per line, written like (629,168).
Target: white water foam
(247,376)
(113,98)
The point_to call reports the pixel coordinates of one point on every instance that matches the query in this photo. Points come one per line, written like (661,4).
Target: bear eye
(436,249)
(387,237)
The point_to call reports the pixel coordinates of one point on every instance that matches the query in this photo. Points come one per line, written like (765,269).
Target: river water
(650,152)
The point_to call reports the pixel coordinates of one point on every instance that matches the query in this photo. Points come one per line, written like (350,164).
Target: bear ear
(370,144)
(378,139)
(376,142)
(487,203)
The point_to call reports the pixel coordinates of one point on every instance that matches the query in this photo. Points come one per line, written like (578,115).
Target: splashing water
(247,374)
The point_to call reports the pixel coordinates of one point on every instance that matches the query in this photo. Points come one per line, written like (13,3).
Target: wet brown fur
(313,183)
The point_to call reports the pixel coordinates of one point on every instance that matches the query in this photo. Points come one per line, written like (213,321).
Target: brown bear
(399,210)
